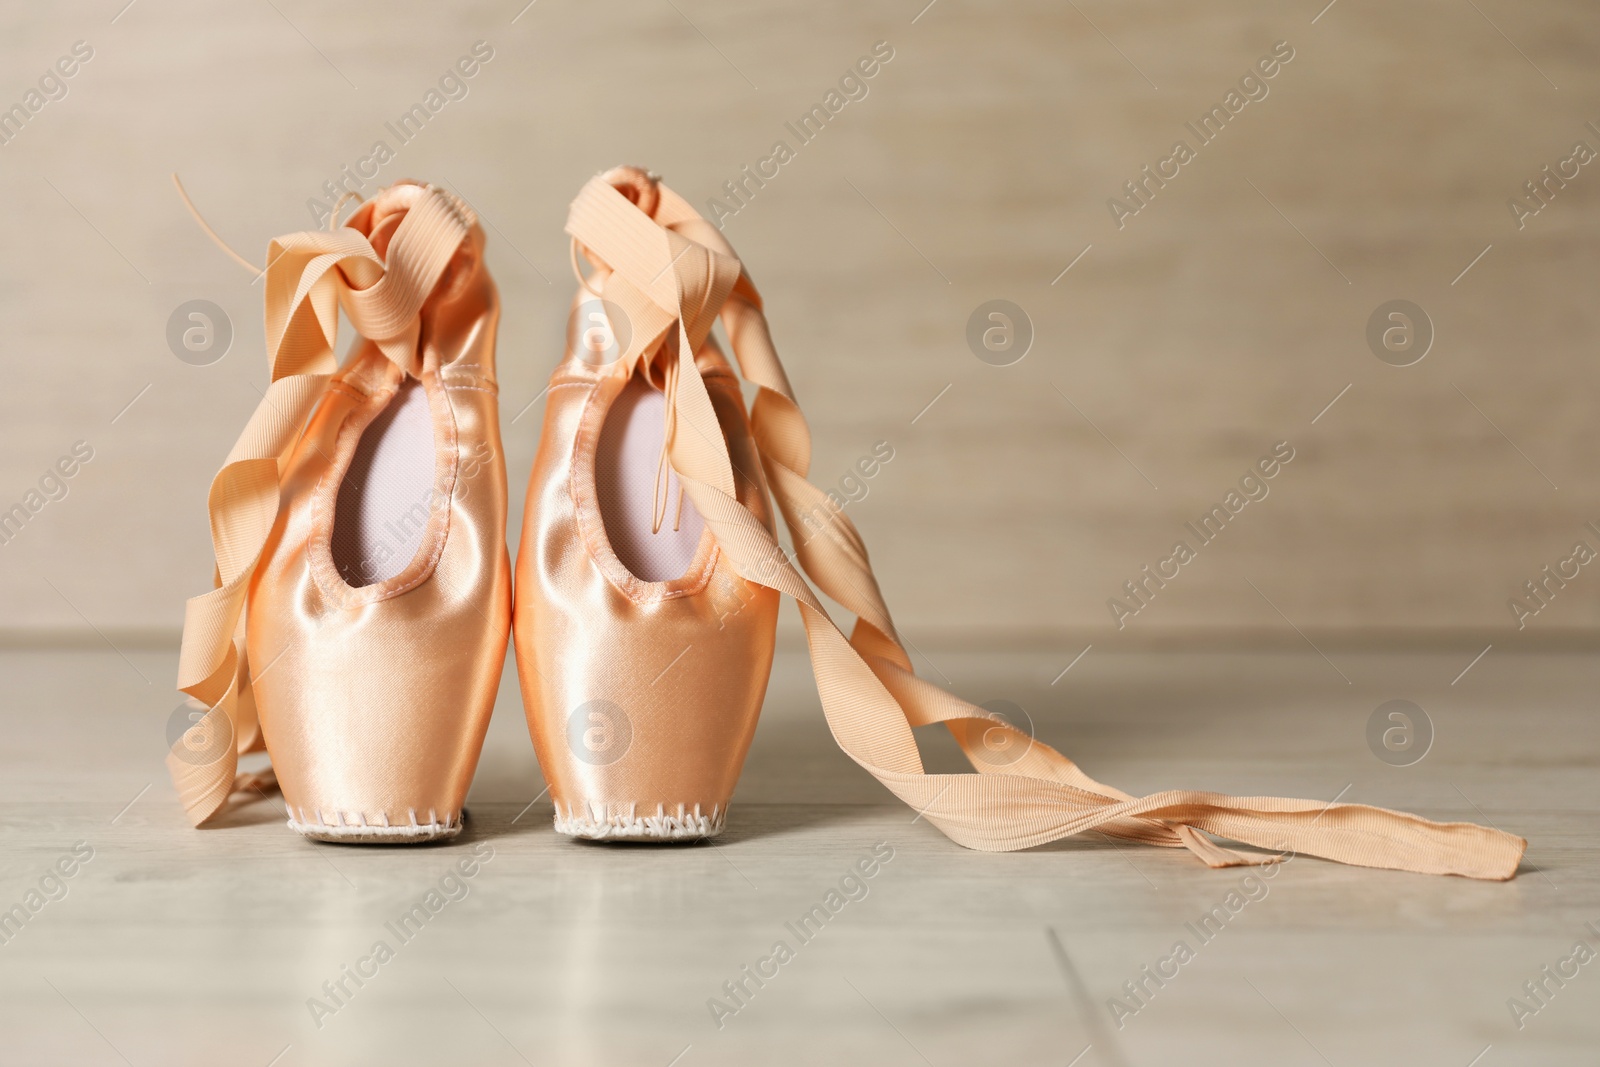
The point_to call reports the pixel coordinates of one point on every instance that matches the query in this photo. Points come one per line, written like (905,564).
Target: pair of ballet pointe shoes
(364,598)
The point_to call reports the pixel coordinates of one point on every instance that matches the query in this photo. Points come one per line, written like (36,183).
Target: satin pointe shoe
(362,605)
(638,702)
(643,655)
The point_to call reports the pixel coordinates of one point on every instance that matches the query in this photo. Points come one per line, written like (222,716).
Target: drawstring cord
(236,257)
(333,216)
(206,226)
(659,495)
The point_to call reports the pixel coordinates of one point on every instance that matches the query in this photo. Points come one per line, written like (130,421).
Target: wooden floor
(173,946)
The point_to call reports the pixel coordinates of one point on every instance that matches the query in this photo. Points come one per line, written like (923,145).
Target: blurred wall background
(1176,339)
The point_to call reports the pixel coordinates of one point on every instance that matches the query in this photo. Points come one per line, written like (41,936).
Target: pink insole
(385,496)
(625,476)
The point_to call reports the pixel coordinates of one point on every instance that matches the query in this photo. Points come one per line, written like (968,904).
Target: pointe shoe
(638,703)
(362,612)
(643,655)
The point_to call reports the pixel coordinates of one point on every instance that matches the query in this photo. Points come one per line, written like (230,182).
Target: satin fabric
(641,697)
(371,701)
(670,272)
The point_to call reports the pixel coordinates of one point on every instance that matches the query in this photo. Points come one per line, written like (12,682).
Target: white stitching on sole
(591,820)
(345,830)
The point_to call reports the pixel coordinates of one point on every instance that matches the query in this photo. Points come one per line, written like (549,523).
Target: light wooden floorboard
(174,946)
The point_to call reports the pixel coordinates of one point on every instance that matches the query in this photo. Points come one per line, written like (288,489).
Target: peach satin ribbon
(309,277)
(675,272)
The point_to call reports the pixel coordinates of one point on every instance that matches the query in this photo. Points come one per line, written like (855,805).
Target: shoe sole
(598,822)
(361,832)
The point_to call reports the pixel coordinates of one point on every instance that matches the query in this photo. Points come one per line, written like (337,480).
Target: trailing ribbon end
(1517,848)
(202,790)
